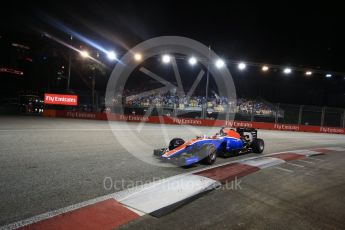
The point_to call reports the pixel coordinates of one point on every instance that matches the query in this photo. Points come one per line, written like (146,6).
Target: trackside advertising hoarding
(60,99)
(192,121)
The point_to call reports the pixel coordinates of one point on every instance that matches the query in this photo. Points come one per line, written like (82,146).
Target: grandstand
(193,106)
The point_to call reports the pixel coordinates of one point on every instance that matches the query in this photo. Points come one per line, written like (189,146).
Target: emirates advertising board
(60,99)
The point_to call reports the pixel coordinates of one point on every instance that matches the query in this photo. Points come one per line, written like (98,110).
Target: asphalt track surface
(50,163)
(302,194)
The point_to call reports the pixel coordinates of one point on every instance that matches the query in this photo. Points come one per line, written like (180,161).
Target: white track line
(284,169)
(297,165)
(309,162)
(316,159)
(336,148)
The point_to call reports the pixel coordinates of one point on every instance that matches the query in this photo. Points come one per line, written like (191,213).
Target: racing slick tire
(210,153)
(258,145)
(175,142)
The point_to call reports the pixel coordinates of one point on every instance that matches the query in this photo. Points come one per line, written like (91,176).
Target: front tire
(176,142)
(258,145)
(211,154)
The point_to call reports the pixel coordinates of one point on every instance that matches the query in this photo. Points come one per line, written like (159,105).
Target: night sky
(285,33)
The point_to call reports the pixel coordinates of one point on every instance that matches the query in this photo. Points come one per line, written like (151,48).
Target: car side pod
(191,160)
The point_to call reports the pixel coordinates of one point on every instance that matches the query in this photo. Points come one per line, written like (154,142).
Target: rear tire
(258,145)
(211,154)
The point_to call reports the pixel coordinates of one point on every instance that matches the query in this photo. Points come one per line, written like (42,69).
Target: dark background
(286,33)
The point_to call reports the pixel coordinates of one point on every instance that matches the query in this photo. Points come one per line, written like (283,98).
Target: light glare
(265,68)
(111,55)
(84,53)
(220,63)
(242,66)
(192,61)
(287,70)
(138,57)
(166,59)
(308,73)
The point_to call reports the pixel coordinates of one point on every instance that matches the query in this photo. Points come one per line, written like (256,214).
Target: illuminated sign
(60,99)
(12,71)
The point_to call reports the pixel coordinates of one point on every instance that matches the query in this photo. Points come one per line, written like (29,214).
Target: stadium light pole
(219,64)
(69,71)
(207,82)
(69,67)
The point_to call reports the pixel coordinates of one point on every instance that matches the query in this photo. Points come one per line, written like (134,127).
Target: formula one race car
(206,149)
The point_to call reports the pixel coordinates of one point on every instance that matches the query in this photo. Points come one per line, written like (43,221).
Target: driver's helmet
(221,132)
(224,131)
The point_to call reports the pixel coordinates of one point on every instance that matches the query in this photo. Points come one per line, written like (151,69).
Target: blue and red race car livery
(206,149)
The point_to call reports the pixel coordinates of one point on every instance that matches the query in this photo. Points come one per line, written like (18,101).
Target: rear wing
(253,131)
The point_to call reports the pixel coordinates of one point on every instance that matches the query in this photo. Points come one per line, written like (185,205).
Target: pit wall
(191,121)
